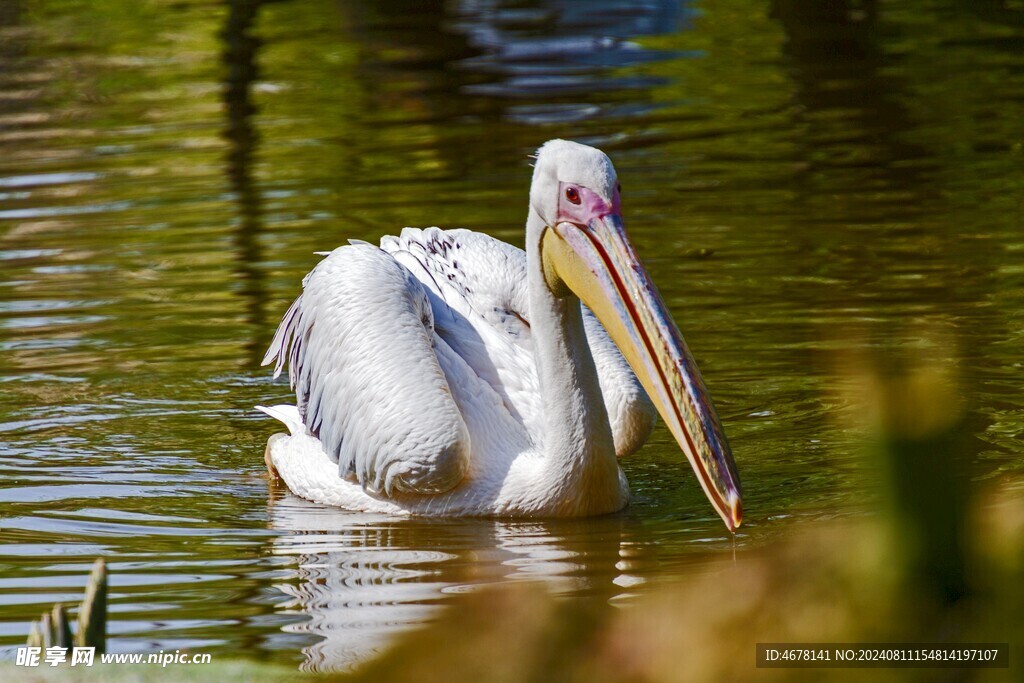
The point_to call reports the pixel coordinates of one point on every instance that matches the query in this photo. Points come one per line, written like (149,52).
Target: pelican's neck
(577,437)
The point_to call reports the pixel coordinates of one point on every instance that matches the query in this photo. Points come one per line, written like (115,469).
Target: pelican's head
(585,252)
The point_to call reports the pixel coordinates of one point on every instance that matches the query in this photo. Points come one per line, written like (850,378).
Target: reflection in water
(851,97)
(560,52)
(538,62)
(10,17)
(240,48)
(362,578)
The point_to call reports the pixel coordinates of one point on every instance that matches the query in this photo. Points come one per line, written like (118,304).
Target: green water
(802,185)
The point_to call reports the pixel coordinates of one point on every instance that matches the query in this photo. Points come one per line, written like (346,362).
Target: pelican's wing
(470,280)
(473,274)
(359,343)
(477,286)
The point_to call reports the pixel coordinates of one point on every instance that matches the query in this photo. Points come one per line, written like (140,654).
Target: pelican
(446,373)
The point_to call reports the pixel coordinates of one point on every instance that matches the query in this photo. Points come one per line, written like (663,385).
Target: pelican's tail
(289,415)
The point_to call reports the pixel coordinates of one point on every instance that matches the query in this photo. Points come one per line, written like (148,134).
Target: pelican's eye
(573,195)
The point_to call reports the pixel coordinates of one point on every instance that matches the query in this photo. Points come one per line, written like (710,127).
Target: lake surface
(803,187)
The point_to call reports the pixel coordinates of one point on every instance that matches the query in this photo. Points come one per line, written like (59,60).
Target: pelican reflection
(361,579)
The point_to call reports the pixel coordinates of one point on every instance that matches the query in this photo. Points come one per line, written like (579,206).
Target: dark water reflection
(804,180)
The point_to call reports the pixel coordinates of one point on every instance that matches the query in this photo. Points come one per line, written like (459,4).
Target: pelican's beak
(598,263)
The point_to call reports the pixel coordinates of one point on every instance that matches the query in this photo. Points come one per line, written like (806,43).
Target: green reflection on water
(801,185)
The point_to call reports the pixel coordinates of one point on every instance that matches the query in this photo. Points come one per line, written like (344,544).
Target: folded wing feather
(359,344)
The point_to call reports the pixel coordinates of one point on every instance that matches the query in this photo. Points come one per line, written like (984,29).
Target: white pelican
(448,373)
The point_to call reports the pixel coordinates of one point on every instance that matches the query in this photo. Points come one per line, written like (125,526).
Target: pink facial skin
(590,205)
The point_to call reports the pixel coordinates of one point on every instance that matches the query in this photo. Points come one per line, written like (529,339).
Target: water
(803,187)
